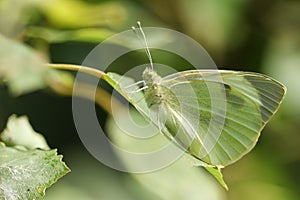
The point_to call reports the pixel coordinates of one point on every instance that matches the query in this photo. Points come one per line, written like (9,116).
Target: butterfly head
(150,76)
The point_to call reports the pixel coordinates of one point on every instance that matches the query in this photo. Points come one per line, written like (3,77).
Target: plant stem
(88,70)
(101,97)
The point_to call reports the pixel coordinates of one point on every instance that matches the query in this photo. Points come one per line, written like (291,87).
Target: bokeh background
(250,35)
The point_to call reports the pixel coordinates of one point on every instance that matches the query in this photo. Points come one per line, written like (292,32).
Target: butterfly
(214,115)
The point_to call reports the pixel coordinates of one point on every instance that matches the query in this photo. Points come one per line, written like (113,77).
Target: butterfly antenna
(143,41)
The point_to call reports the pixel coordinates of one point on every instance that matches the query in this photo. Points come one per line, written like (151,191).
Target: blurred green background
(251,35)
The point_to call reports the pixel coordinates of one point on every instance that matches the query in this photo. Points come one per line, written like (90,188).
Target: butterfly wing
(217,116)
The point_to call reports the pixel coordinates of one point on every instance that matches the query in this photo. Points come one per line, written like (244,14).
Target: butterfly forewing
(270,93)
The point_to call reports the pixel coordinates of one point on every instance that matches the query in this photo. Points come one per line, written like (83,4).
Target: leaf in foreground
(27,174)
(19,132)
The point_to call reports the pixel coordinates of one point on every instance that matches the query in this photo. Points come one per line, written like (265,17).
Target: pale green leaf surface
(179,180)
(22,68)
(20,133)
(217,174)
(14,15)
(27,174)
(119,82)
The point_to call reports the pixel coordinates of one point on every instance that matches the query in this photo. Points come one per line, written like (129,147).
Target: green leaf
(21,67)
(24,70)
(12,23)
(119,82)
(74,14)
(27,174)
(215,171)
(25,171)
(20,133)
(179,180)
(217,174)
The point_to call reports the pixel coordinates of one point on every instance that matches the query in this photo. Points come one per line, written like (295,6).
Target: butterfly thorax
(154,93)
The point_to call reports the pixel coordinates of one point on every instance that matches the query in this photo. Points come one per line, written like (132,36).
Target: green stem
(101,97)
(88,70)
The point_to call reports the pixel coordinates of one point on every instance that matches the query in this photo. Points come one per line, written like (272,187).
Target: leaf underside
(27,165)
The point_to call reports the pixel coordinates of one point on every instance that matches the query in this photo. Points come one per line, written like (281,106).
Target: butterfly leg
(127,88)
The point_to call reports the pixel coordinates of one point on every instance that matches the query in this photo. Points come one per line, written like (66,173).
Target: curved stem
(88,70)
(101,97)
